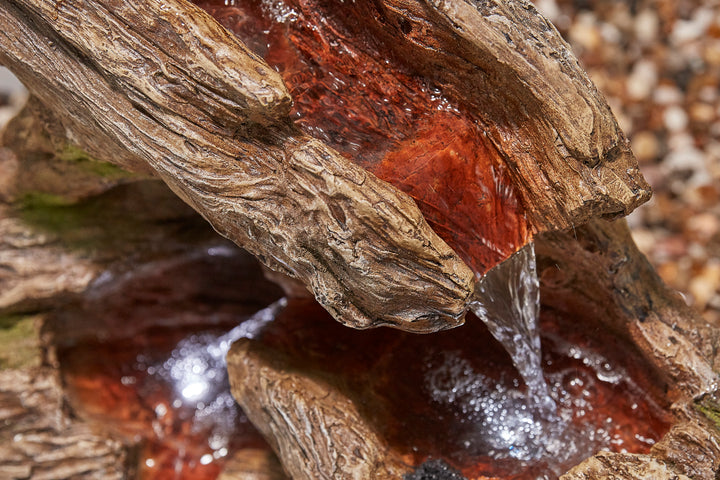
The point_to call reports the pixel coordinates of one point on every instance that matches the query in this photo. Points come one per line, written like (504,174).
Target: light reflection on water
(197,371)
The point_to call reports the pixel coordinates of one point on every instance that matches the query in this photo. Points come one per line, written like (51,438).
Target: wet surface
(354,90)
(142,355)
(456,396)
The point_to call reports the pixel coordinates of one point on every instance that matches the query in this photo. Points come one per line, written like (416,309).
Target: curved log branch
(174,95)
(161,87)
(502,59)
(329,439)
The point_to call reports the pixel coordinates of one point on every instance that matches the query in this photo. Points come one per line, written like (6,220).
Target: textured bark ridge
(38,441)
(528,85)
(296,204)
(634,302)
(160,87)
(622,304)
(329,439)
(479,112)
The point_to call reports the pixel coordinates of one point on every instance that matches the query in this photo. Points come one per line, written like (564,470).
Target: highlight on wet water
(148,362)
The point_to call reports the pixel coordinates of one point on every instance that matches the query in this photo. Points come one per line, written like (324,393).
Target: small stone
(667,94)
(688,30)
(645,145)
(703,225)
(646,26)
(434,470)
(675,119)
(584,33)
(702,112)
(708,94)
(642,79)
(706,284)
(644,239)
(548,8)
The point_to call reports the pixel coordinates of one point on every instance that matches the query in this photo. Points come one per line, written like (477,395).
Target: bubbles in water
(497,419)
(507,299)
(504,422)
(196,370)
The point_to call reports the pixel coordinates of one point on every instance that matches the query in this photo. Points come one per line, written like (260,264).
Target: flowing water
(507,299)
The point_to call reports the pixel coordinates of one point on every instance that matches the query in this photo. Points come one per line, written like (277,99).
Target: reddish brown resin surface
(351,90)
(132,345)
(133,355)
(430,395)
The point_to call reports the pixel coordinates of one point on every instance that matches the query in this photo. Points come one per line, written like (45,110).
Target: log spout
(161,87)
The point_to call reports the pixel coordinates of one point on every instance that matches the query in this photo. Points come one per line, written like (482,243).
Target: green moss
(19,345)
(84,162)
(40,200)
(709,405)
(78,226)
(124,219)
(52,213)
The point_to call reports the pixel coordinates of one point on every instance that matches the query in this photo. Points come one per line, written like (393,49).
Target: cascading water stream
(507,299)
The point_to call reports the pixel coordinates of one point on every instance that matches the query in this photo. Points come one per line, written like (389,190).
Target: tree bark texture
(160,87)
(37,441)
(301,208)
(596,276)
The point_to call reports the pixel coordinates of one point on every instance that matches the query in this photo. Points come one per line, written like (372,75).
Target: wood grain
(169,92)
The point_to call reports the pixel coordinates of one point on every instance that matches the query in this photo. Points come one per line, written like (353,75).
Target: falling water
(507,299)
(199,360)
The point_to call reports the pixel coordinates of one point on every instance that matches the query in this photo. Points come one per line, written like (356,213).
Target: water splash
(507,299)
(198,361)
(595,401)
(196,369)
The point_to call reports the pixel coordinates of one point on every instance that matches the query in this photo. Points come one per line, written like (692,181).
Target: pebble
(642,80)
(706,284)
(659,67)
(647,26)
(645,146)
(675,118)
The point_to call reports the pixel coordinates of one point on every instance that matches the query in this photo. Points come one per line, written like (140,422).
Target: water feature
(456,396)
(507,299)
(360,99)
(142,355)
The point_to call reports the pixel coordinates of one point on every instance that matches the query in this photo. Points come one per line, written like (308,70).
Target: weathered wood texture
(316,430)
(623,466)
(300,207)
(38,441)
(509,65)
(160,87)
(37,158)
(253,464)
(597,269)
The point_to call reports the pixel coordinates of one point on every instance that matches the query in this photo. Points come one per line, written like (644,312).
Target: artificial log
(39,442)
(287,198)
(161,87)
(665,346)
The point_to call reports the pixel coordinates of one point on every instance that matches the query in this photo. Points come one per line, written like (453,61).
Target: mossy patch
(87,164)
(709,405)
(19,343)
(126,218)
(51,213)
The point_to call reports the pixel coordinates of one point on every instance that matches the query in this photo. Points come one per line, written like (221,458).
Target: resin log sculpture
(161,87)
(631,367)
(481,115)
(211,122)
